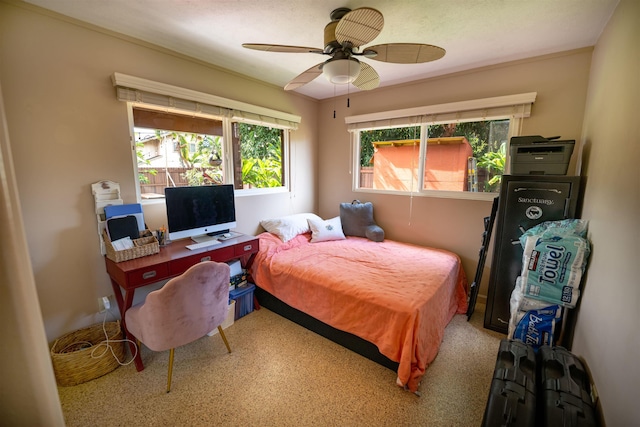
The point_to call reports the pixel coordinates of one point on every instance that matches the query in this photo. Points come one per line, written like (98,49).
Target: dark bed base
(345,339)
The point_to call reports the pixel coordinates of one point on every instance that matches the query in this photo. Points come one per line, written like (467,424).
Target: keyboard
(206,244)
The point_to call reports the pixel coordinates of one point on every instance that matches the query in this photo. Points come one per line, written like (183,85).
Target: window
(258,153)
(483,142)
(389,158)
(467,156)
(183,137)
(174,150)
(454,150)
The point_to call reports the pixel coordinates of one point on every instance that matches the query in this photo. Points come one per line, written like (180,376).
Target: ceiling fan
(344,37)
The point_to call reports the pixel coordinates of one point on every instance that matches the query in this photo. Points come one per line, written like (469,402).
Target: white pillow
(325,230)
(288,227)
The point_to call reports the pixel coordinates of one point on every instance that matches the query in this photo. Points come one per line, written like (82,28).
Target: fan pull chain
(334,101)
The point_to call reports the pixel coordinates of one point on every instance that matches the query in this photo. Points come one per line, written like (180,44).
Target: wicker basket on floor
(83,355)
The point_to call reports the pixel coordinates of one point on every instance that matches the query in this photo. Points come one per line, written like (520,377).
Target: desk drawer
(246,248)
(147,275)
(179,266)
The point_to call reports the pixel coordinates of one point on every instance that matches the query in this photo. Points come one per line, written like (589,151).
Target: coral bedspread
(397,296)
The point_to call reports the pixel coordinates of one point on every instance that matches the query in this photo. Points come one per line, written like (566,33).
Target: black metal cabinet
(525,201)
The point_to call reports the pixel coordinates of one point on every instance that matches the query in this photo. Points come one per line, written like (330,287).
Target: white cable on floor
(109,347)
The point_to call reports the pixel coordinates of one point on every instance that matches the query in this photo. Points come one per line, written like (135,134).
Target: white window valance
(142,91)
(517,106)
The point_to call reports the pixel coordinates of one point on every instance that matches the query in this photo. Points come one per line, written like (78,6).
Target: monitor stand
(216,235)
(204,238)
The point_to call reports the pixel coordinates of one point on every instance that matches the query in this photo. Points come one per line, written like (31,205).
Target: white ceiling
(474,33)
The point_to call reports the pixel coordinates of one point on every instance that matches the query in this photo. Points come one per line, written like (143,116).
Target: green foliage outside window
(196,154)
(142,161)
(261,153)
(494,162)
(367,138)
(488,139)
(260,156)
(262,173)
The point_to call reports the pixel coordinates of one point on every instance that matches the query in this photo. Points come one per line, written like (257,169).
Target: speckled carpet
(280,374)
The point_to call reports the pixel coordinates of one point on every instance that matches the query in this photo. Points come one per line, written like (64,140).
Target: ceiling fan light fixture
(341,71)
(344,38)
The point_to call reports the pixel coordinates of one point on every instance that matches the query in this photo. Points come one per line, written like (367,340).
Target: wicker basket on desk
(83,355)
(143,246)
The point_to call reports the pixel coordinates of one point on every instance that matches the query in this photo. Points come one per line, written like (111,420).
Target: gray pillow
(357,220)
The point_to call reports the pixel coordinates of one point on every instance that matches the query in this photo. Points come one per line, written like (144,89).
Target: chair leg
(170,369)
(224,338)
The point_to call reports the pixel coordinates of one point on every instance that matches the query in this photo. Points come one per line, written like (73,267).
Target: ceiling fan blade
(406,53)
(281,48)
(368,78)
(359,26)
(305,77)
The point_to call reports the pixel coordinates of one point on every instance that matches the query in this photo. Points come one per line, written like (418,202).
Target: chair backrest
(185,309)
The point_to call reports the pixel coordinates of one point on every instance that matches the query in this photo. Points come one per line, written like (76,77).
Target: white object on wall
(105,193)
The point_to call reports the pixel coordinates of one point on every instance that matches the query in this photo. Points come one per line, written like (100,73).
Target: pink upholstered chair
(185,309)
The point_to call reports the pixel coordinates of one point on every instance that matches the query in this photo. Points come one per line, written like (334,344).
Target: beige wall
(69,131)
(606,334)
(561,83)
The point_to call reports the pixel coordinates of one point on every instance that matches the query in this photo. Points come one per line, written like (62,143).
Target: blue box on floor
(244,299)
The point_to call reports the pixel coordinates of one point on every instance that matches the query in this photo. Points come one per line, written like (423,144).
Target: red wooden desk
(172,260)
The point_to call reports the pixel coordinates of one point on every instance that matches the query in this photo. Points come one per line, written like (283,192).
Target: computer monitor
(200,212)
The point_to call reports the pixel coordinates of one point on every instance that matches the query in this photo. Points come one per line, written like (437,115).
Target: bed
(387,300)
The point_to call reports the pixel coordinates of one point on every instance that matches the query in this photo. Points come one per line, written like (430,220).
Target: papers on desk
(235,268)
(122,244)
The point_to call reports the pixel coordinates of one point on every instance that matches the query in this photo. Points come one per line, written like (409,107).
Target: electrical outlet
(104,304)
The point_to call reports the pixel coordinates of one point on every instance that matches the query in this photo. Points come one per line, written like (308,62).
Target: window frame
(512,107)
(286,176)
(227,152)
(148,94)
